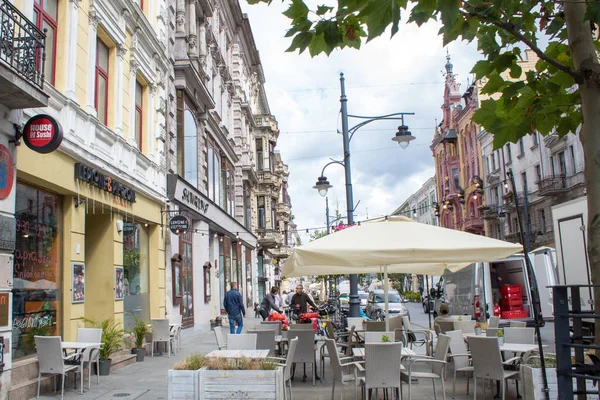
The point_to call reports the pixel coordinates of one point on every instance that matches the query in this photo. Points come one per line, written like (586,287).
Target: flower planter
(204,383)
(533,383)
(240,384)
(183,385)
(139,354)
(105,367)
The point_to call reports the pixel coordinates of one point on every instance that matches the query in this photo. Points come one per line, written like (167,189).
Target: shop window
(139,114)
(207,283)
(45,14)
(176,278)
(37,265)
(101,98)
(135,264)
(186,307)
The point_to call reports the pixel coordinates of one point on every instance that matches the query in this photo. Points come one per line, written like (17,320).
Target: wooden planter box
(183,385)
(205,384)
(240,384)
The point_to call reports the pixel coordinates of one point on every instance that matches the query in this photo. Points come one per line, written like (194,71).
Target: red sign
(42,133)
(7,172)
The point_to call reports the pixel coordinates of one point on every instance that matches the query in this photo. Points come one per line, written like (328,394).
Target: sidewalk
(148,380)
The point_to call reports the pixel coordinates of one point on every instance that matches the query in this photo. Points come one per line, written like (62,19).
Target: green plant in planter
(140,329)
(385,339)
(112,336)
(194,362)
(500,333)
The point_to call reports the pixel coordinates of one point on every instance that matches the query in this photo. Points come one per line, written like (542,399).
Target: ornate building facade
(456,156)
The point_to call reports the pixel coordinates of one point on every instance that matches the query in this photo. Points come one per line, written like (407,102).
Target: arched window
(190,146)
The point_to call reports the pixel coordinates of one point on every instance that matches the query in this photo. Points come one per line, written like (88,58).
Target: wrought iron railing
(552,185)
(569,316)
(22,44)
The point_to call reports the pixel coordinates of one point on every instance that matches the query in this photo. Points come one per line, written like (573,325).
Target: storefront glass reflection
(36,290)
(135,265)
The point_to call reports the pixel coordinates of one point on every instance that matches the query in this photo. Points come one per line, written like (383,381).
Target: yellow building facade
(89,237)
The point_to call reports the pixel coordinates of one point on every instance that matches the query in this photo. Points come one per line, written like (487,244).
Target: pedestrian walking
(268,303)
(300,301)
(234,306)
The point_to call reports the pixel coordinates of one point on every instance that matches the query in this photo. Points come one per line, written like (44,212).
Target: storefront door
(187,278)
(131,282)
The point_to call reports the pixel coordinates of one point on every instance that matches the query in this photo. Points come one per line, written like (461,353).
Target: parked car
(376,302)
(363,298)
(345,300)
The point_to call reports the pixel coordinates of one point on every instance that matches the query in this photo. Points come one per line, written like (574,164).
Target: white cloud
(403,74)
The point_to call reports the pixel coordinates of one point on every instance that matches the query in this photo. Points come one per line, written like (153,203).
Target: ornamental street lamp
(403,137)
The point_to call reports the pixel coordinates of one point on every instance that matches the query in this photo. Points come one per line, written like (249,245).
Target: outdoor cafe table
(510,347)
(237,354)
(79,348)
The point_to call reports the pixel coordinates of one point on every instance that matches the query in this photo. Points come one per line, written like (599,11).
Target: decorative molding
(94,19)
(134,65)
(121,50)
(153,88)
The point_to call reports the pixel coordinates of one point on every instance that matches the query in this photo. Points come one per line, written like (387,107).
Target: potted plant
(478,328)
(385,339)
(139,332)
(195,377)
(500,335)
(531,376)
(112,340)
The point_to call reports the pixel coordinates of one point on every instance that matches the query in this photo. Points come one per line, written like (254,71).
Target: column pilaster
(90,104)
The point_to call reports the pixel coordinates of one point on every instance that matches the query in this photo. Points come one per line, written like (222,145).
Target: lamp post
(402,137)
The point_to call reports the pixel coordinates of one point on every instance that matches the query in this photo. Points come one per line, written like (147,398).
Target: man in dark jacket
(300,300)
(234,305)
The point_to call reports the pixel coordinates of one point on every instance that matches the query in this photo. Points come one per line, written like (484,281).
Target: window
(227,187)
(190,148)
(516,225)
(562,163)
(493,157)
(101,101)
(543,221)
(524,179)
(136,280)
(456,178)
(274,213)
(535,139)
(37,291)
(508,154)
(497,195)
(247,210)
(272,157)
(552,166)
(521,147)
(259,154)
(261,212)
(214,174)
(538,173)
(572,151)
(45,15)
(138,114)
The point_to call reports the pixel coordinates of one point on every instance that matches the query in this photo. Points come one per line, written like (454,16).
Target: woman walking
(268,303)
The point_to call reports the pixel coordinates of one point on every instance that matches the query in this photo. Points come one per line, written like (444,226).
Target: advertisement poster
(119,283)
(78,283)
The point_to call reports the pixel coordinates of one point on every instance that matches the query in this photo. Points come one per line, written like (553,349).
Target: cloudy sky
(385,76)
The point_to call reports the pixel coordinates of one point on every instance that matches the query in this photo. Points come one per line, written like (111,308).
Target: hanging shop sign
(96,178)
(7,172)
(179,224)
(43,134)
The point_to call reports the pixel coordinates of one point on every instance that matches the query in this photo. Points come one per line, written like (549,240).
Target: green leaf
(516,71)
(378,15)
(593,12)
(503,61)
(322,10)
(301,42)
(482,69)
(449,11)
(296,11)
(317,45)
(493,85)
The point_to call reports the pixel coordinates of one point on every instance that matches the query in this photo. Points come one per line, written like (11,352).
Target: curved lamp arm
(332,162)
(393,116)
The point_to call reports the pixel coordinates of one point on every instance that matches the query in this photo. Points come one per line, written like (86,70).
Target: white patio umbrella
(394,244)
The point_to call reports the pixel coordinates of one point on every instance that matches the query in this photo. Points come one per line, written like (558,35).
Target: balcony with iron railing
(22,60)
(552,185)
(269,238)
(490,211)
(281,252)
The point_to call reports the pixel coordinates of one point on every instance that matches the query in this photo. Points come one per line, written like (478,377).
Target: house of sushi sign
(43,134)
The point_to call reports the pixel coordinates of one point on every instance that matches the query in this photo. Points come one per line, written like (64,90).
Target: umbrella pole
(428,297)
(386,297)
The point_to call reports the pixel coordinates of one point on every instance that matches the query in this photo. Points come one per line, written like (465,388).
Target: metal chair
(303,327)
(492,332)
(460,357)
(465,326)
(331,334)
(382,367)
(91,335)
(161,333)
(375,326)
(221,343)
(488,364)
(446,326)
(518,324)
(244,341)
(395,325)
(265,340)
(52,361)
(337,367)
(175,322)
(493,322)
(305,352)
(438,366)
(287,363)
(411,336)
(271,324)
(377,337)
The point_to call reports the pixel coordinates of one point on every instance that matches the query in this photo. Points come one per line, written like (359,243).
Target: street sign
(179,224)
